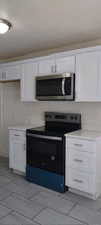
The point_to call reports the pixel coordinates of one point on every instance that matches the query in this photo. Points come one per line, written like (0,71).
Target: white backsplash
(14,112)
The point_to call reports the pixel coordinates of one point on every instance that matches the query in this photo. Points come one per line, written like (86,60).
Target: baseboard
(87,195)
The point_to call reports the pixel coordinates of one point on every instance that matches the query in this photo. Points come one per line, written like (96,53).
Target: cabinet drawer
(82,181)
(82,160)
(16,134)
(81,145)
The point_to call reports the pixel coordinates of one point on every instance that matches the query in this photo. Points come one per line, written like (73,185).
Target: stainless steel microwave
(55,87)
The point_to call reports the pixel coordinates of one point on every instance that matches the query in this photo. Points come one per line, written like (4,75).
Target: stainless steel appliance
(56,87)
(46,149)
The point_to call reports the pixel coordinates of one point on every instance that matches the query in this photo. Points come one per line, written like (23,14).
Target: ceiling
(46,24)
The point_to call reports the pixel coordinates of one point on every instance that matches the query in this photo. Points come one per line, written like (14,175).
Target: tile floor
(24,203)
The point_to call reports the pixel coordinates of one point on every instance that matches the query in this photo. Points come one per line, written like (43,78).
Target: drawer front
(82,181)
(82,160)
(16,134)
(81,145)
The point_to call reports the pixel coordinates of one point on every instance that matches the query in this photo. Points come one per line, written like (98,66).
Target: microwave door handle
(63,86)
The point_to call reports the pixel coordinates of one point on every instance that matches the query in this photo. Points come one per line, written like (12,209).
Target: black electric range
(46,149)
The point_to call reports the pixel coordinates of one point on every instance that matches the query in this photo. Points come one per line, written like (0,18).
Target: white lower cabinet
(17,150)
(82,181)
(82,160)
(83,163)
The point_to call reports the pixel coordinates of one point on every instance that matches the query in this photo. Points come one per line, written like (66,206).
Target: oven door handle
(45,137)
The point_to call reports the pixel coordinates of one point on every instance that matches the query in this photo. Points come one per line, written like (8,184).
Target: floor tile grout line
(69,199)
(37,223)
(5,206)
(14,211)
(3,185)
(45,206)
(89,208)
(33,218)
(85,223)
(34,195)
(3,199)
(29,199)
(6,198)
(39,213)
(72,208)
(63,214)
(57,211)
(40,223)
(99,210)
(21,213)
(20,195)
(6,215)
(19,198)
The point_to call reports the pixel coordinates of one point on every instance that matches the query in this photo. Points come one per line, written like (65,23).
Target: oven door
(56,87)
(46,152)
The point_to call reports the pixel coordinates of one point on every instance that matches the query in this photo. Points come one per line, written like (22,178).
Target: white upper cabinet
(28,82)
(87,77)
(99,78)
(0,74)
(56,65)
(65,64)
(14,72)
(11,72)
(46,67)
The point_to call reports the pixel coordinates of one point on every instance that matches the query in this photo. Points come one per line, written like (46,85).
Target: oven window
(45,154)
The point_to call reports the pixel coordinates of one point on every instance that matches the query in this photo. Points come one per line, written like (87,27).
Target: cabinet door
(99,79)
(19,156)
(12,72)
(87,76)
(4,74)
(28,82)
(11,153)
(0,74)
(65,64)
(46,67)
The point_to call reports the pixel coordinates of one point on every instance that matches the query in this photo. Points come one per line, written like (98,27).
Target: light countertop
(84,134)
(23,127)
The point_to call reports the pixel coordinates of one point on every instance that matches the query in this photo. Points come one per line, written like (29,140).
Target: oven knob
(52,157)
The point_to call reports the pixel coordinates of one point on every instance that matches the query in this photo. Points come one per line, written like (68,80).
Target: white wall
(13,112)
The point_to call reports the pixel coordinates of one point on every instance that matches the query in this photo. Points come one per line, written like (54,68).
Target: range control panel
(63,117)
